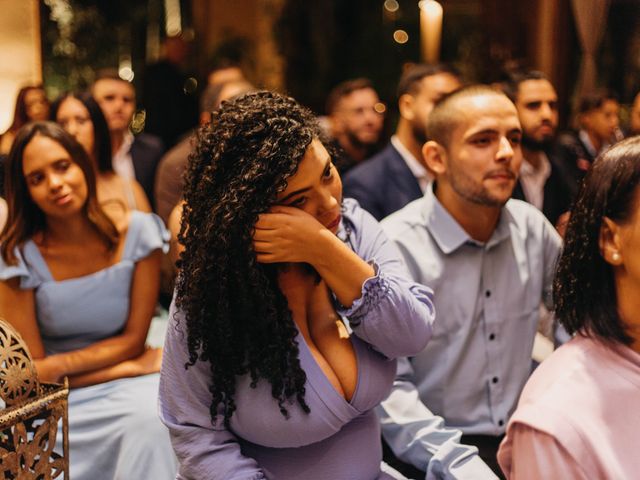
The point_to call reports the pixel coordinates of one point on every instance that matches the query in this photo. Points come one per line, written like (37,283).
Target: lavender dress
(114,432)
(339,439)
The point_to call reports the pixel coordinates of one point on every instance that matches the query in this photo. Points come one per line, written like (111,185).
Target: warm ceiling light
(401,36)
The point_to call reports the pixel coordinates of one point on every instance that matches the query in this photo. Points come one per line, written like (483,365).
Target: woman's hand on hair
(288,234)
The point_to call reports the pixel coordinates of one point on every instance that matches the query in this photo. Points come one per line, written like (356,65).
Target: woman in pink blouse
(578,415)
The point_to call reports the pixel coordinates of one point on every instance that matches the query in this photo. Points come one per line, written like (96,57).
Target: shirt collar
(543,170)
(412,162)
(448,233)
(586,141)
(127,141)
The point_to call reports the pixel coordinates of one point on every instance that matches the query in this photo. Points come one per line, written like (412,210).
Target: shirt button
(492,336)
(500,422)
(487,293)
(494,379)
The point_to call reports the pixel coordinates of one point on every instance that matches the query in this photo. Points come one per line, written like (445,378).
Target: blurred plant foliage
(80,37)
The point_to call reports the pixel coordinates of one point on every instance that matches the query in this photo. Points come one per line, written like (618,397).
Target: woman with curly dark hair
(289,311)
(578,414)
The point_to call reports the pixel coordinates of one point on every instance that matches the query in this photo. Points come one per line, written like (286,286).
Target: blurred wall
(244,25)
(20,55)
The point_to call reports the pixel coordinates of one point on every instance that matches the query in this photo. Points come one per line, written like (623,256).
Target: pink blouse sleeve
(529,454)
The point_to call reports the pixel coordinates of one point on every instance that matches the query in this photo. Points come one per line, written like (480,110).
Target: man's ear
(585,120)
(435,157)
(337,123)
(610,242)
(405,107)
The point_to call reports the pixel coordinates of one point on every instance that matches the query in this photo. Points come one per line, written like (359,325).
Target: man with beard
(541,182)
(356,118)
(490,261)
(398,175)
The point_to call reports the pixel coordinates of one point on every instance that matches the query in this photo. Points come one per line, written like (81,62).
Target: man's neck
(532,157)
(595,141)
(479,221)
(356,152)
(406,137)
(117,139)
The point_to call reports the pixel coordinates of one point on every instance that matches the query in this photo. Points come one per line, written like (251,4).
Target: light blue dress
(114,430)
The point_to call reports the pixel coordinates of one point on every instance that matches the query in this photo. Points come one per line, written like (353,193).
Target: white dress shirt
(422,174)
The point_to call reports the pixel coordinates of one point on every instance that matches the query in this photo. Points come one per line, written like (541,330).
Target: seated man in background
(169,180)
(397,175)
(133,156)
(168,183)
(490,261)
(541,182)
(356,118)
(599,127)
(225,71)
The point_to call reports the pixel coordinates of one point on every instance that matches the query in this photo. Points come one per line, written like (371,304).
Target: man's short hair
(446,115)
(514,79)
(110,74)
(344,89)
(412,76)
(594,100)
(210,99)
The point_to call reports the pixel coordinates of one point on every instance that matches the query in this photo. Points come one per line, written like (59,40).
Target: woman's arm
(532,454)
(142,202)
(204,450)
(173,224)
(17,307)
(384,307)
(148,362)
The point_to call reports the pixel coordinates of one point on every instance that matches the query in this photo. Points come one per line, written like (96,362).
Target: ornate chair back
(31,416)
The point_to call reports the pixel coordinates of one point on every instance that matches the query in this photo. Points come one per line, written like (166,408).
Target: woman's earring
(615,256)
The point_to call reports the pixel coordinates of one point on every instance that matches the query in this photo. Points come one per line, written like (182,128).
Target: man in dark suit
(599,123)
(397,175)
(541,181)
(133,156)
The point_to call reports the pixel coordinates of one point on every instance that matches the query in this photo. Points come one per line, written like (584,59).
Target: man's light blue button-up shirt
(487,298)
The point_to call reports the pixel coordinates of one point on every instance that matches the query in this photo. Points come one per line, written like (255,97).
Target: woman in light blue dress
(82,293)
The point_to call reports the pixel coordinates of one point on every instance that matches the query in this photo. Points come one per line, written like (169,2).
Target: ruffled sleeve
(394,314)
(28,278)
(146,234)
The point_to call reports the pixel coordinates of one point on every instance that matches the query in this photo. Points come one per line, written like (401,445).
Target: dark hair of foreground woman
(584,287)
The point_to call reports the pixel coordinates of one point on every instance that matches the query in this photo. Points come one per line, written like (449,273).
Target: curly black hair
(584,287)
(237,318)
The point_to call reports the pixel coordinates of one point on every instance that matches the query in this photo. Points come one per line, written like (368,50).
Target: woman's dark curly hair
(584,286)
(236,316)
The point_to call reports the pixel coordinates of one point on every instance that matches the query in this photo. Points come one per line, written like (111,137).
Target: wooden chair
(30,420)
